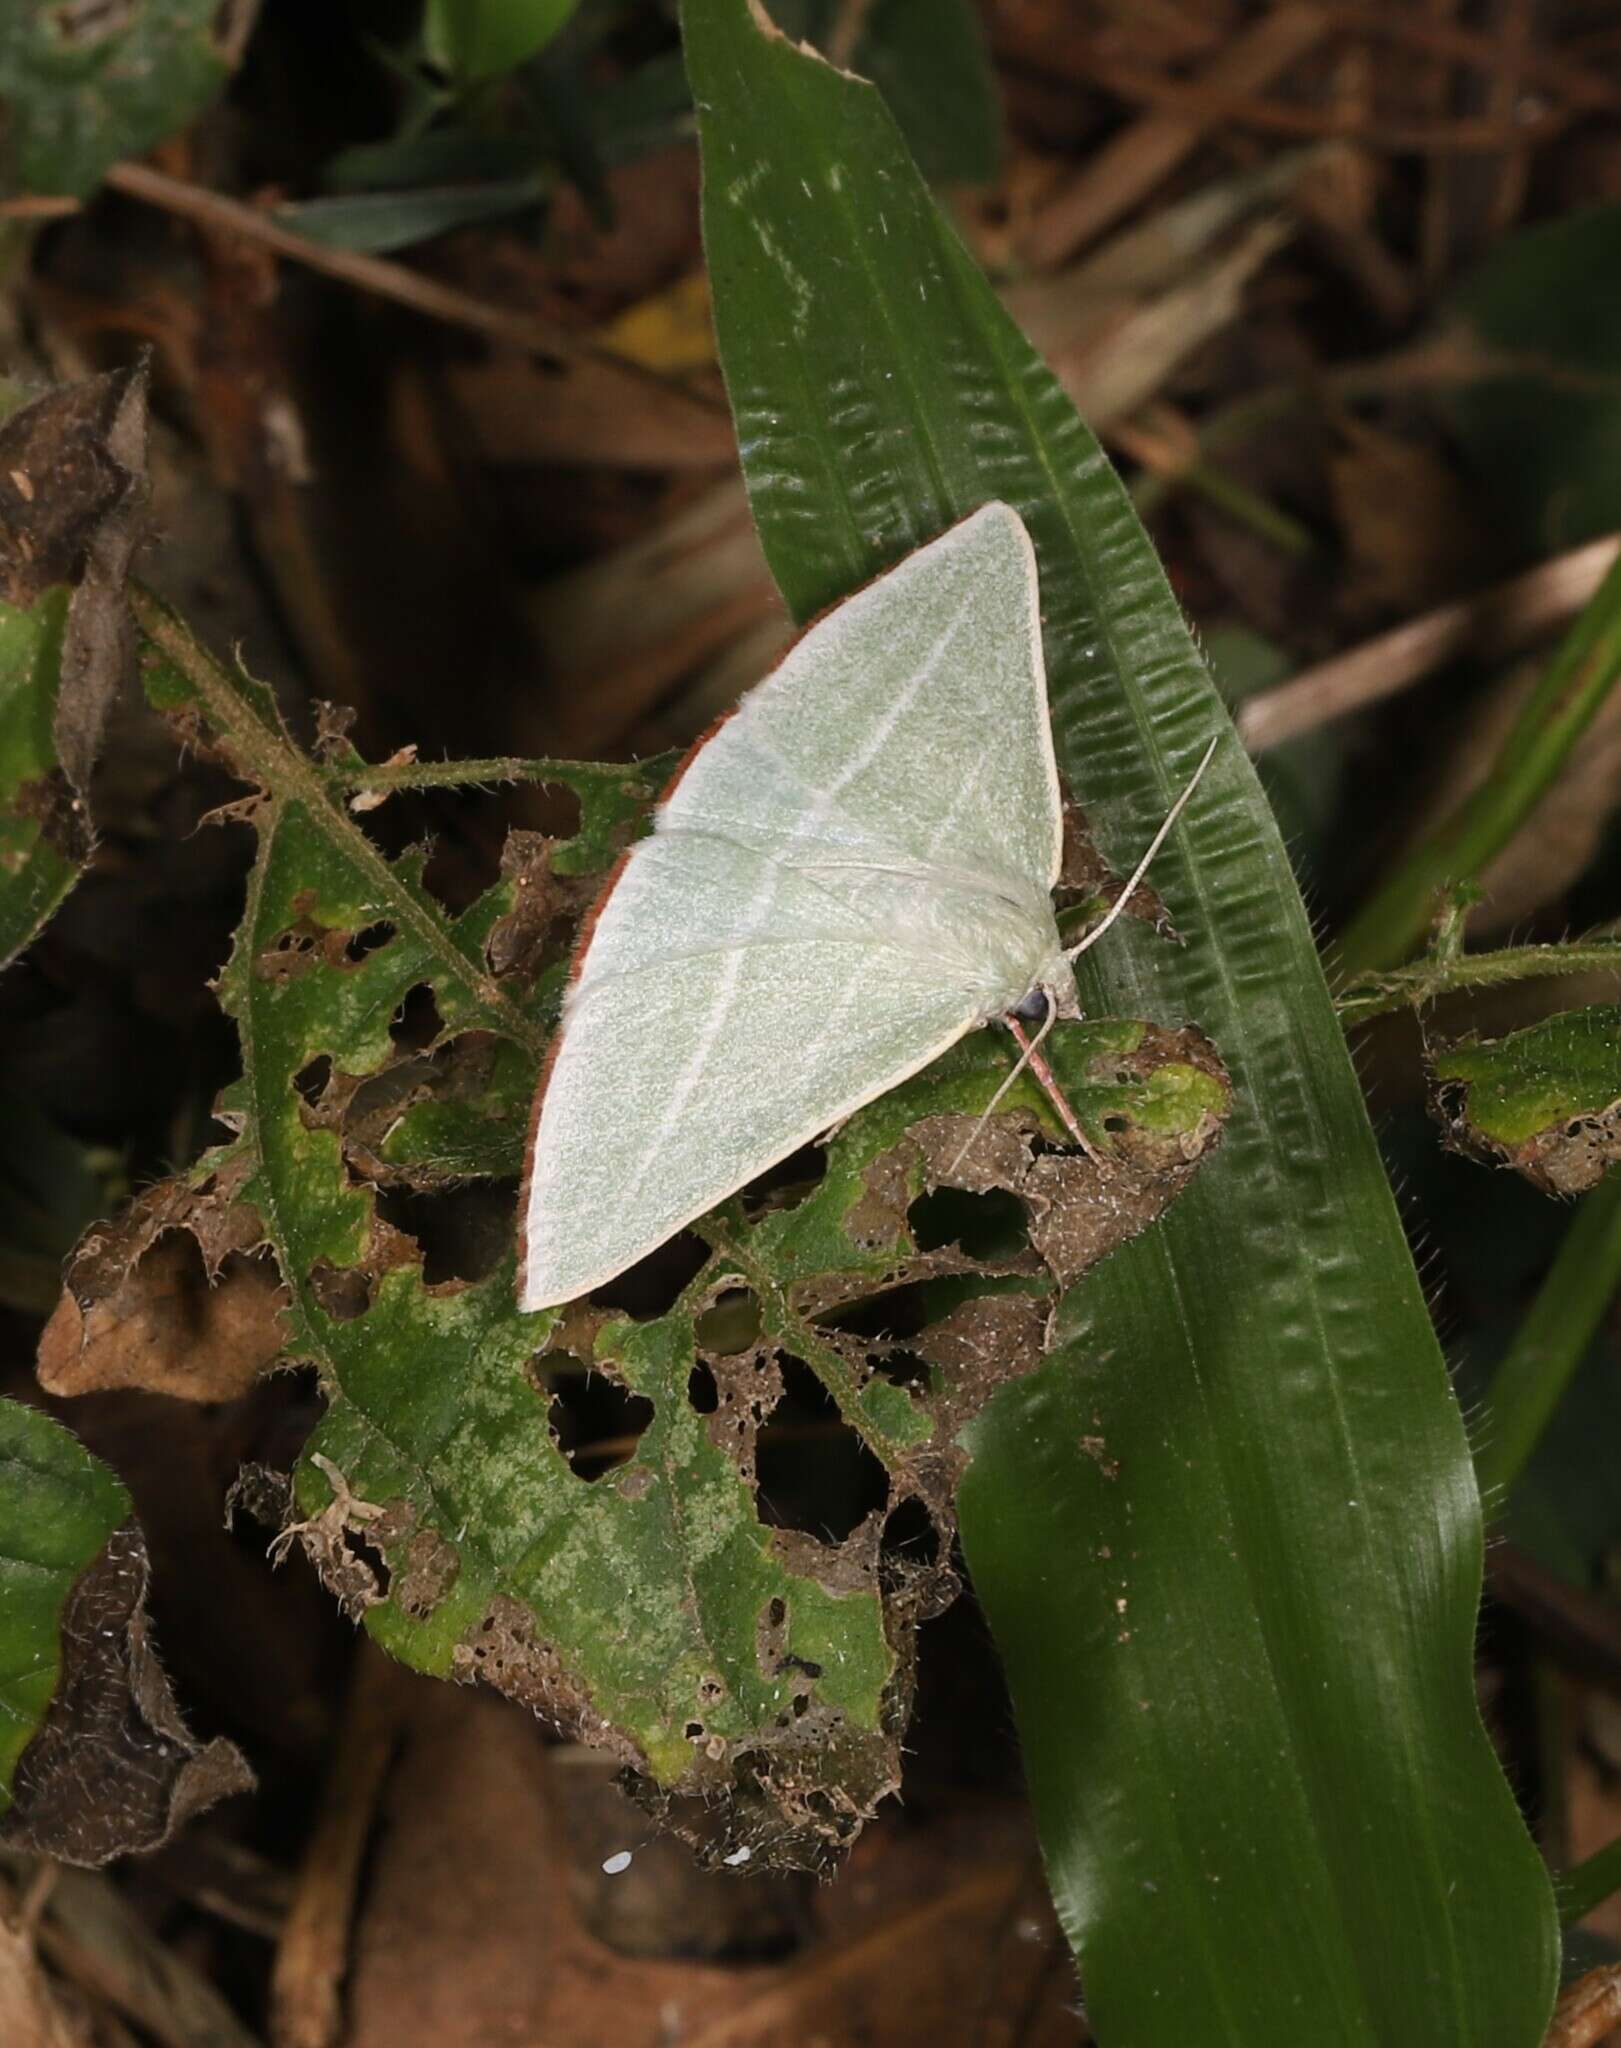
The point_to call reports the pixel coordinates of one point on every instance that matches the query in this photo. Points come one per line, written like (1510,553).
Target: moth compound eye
(1031,1008)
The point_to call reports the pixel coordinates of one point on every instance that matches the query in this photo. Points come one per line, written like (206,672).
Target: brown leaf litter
(113,1770)
(176,1296)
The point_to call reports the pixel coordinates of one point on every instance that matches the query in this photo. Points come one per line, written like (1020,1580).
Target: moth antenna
(1117,908)
(1027,1058)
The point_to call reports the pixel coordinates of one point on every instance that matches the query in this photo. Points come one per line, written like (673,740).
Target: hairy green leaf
(1227,1535)
(82,85)
(1545,1100)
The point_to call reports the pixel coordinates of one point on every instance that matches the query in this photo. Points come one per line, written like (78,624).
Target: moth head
(1051,994)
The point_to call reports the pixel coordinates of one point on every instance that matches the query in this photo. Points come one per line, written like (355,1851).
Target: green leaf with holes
(1227,1534)
(1545,1100)
(82,84)
(544,1500)
(58,1508)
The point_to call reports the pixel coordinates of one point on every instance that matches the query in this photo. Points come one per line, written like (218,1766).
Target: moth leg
(1036,1061)
(1030,1055)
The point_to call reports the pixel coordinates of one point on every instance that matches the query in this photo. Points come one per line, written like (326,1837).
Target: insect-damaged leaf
(1545,1100)
(566,1506)
(95,1761)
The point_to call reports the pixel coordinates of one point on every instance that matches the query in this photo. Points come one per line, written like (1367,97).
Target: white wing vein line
(715,1024)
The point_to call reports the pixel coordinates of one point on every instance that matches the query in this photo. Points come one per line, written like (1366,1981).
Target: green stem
(249,728)
(1553,1339)
(1248,508)
(1557,713)
(1427,979)
(1592,1881)
(384,775)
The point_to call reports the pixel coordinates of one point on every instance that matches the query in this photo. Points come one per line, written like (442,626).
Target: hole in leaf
(812,1472)
(464,1233)
(342,1293)
(367,1553)
(730,1324)
(311,1080)
(595,1422)
(703,1396)
(789,1182)
(903,1368)
(652,1286)
(416,1023)
(900,1313)
(1115,1123)
(367,940)
(990,1225)
(910,1534)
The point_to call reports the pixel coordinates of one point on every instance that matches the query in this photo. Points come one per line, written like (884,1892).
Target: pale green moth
(850,874)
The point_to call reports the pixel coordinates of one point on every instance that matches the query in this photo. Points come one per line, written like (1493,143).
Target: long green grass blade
(1559,710)
(1228,1535)
(1552,1341)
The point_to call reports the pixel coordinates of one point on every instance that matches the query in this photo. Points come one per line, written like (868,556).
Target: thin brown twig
(1501,621)
(827,1968)
(220,214)
(1441,361)
(38,206)
(234,30)
(1124,172)
(1522,64)
(1207,101)
(849,26)
(1581,1630)
(1572,72)
(312,1959)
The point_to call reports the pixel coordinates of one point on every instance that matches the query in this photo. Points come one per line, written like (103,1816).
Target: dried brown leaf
(113,1770)
(73,505)
(175,1297)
